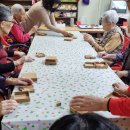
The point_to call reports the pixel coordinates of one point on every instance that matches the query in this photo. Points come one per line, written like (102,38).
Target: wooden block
(50,63)
(68,38)
(72,110)
(33,76)
(102,65)
(22,96)
(40,54)
(89,65)
(51,60)
(74,37)
(71,35)
(41,33)
(29,88)
(89,57)
(58,104)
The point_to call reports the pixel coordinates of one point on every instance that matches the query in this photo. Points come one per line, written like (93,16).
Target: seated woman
(17,34)
(124,74)
(113,38)
(117,106)
(5,64)
(90,121)
(42,12)
(8,106)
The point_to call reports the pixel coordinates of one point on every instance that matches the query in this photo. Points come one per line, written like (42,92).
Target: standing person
(43,13)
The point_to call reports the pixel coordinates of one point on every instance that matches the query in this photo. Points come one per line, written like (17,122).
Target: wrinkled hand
(33,30)
(121,88)
(107,56)
(7,107)
(66,34)
(19,53)
(122,74)
(18,81)
(89,103)
(29,59)
(89,38)
(102,54)
(23,59)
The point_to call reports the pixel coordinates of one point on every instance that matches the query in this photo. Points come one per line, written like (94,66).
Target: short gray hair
(111,16)
(5,12)
(17,8)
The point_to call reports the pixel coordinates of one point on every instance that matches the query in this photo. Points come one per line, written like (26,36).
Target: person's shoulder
(37,5)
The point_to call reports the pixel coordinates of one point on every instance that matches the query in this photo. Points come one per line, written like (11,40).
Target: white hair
(111,16)
(17,8)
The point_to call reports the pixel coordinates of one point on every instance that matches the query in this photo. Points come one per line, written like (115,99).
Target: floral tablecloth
(59,82)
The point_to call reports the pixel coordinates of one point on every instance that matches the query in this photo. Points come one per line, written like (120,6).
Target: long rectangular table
(59,83)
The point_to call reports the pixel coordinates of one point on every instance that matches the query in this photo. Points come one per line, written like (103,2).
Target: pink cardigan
(17,35)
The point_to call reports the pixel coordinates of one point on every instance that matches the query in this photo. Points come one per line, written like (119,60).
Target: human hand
(121,88)
(23,59)
(19,53)
(122,74)
(33,30)
(18,81)
(89,38)
(102,54)
(89,103)
(7,106)
(66,34)
(107,56)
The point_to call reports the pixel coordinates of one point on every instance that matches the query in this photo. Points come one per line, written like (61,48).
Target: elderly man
(117,106)
(113,38)
(8,106)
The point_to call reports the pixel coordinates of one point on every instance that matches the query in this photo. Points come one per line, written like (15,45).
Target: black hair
(89,121)
(48,4)
(4,12)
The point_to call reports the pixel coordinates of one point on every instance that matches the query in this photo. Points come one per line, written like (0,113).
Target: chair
(18,47)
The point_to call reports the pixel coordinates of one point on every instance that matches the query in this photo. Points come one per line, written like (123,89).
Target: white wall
(90,14)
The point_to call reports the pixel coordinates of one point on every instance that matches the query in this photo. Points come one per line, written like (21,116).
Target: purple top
(2,82)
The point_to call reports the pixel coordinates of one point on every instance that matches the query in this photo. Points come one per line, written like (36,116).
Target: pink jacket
(17,35)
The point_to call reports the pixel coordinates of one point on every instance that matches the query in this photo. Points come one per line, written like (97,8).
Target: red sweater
(120,106)
(17,35)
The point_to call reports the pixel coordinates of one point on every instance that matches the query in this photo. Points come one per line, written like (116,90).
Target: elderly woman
(43,13)
(17,34)
(8,106)
(113,39)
